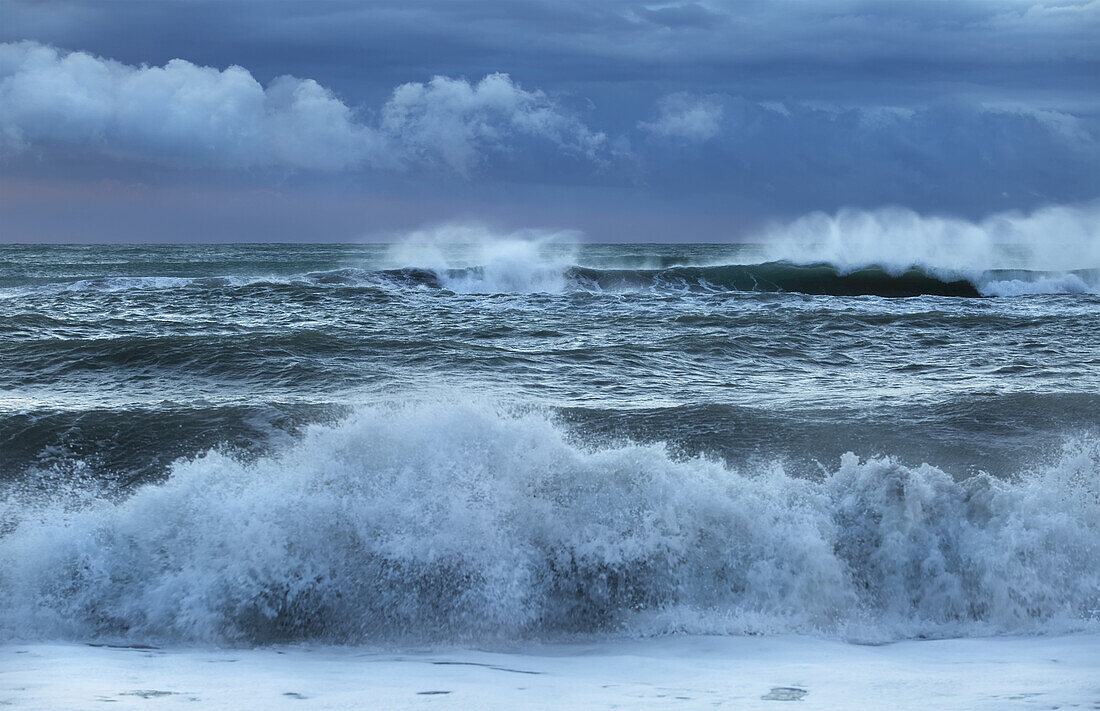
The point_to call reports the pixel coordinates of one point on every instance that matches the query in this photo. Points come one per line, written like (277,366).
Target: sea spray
(1047,246)
(466,521)
(474,259)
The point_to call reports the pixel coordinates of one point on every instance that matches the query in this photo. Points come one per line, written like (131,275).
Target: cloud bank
(182,114)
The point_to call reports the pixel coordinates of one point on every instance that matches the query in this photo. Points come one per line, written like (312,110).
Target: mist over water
(875,425)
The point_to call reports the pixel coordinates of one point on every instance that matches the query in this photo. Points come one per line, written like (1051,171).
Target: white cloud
(685,117)
(185,114)
(456,122)
(180,113)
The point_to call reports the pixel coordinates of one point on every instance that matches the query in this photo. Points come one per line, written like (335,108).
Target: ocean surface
(541,440)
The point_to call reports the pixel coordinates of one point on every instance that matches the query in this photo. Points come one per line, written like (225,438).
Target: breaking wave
(1053,239)
(822,279)
(1053,250)
(772,277)
(889,252)
(466,521)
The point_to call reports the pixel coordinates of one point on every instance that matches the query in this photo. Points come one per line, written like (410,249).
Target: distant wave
(462,521)
(822,279)
(1053,238)
(817,279)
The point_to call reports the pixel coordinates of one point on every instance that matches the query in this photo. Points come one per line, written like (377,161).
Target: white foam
(673,672)
(462,521)
(1052,241)
(473,259)
(129,283)
(1058,284)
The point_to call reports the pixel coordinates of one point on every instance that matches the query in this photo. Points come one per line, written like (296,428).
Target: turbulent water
(525,439)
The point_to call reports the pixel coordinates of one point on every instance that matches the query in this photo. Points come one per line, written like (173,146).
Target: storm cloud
(616,118)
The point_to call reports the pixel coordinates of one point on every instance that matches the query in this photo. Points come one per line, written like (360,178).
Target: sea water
(537,440)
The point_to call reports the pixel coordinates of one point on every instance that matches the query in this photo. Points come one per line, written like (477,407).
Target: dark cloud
(676,16)
(964,157)
(356,48)
(620,116)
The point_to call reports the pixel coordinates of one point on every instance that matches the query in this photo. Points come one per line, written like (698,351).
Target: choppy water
(346,443)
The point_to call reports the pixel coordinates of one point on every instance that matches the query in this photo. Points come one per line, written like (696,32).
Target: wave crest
(1056,238)
(463,521)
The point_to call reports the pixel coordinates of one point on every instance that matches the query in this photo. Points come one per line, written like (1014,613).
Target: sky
(311,120)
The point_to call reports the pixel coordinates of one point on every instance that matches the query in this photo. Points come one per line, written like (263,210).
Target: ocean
(536,441)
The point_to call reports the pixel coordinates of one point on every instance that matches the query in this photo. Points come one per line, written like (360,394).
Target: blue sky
(696,121)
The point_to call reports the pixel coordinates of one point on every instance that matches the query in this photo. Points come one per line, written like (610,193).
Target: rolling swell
(463,521)
(820,279)
(770,277)
(816,279)
(130,446)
